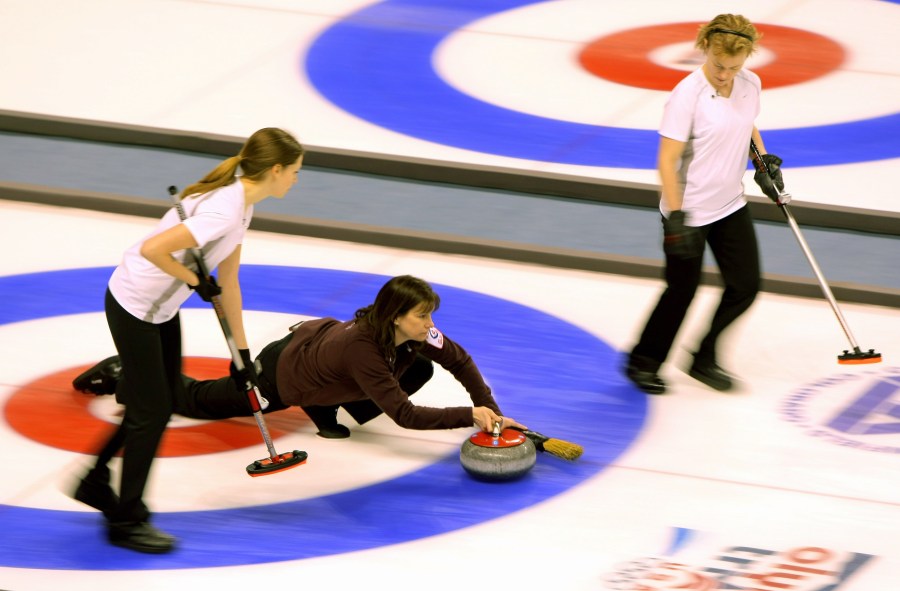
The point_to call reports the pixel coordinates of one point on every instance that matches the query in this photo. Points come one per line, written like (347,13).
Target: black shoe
(140,536)
(335,431)
(325,419)
(647,381)
(101,378)
(98,495)
(712,375)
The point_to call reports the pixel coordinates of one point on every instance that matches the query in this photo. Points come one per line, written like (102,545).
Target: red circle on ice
(49,411)
(623,57)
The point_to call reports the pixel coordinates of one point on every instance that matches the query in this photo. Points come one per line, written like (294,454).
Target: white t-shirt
(717,131)
(218,222)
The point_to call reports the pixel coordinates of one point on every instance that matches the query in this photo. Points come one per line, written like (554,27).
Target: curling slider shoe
(278,463)
(858,357)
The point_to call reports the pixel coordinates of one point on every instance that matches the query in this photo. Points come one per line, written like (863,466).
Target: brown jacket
(328,362)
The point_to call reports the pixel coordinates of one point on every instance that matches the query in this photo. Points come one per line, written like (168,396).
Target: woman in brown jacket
(368,365)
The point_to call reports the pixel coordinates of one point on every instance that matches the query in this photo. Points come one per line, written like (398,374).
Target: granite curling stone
(499,456)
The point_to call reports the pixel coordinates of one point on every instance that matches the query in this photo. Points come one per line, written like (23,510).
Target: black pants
(223,398)
(364,411)
(732,241)
(151,374)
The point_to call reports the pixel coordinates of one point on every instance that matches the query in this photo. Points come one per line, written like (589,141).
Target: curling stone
(498,456)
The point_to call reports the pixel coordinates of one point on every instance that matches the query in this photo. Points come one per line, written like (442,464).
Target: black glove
(772,183)
(207,288)
(679,240)
(247,377)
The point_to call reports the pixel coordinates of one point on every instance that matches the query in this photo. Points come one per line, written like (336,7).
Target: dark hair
(731,34)
(395,298)
(263,150)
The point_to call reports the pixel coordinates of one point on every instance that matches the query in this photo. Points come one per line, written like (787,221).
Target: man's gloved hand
(772,184)
(679,240)
(247,377)
(207,288)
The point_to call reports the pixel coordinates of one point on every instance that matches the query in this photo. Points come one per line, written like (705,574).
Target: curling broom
(857,356)
(275,462)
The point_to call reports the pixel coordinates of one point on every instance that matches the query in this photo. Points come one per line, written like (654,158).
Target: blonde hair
(263,150)
(729,34)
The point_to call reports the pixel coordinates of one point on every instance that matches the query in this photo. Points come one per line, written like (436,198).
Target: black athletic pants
(732,241)
(151,374)
(222,398)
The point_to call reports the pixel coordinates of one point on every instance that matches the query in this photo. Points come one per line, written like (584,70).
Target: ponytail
(222,175)
(263,150)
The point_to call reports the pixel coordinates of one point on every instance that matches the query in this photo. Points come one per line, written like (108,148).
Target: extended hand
(485,419)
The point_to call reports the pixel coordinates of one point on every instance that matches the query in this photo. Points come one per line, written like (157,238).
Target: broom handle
(815,267)
(809,256)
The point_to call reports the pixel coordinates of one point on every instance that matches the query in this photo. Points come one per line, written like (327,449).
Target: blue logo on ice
(861,411)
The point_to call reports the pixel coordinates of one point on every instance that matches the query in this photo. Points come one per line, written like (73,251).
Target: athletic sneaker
(100,379)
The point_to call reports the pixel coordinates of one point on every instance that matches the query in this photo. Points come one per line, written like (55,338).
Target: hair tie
(730,32)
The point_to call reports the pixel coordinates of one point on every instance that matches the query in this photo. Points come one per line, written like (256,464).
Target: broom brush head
(556,447)
(563,449)
(857,356)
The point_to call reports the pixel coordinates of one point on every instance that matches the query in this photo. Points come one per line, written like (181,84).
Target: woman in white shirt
(705,136)
(144,295)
